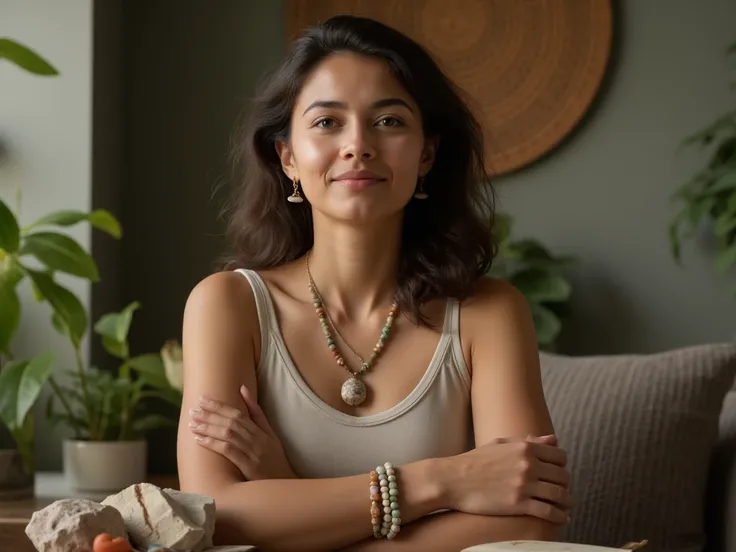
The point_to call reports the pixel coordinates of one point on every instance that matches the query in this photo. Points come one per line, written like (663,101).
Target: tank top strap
(452,330)
(266,313)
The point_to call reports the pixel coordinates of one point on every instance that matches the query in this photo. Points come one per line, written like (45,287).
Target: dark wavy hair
(446,241)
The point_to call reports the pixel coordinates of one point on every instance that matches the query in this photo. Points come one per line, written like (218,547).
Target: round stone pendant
(353,391)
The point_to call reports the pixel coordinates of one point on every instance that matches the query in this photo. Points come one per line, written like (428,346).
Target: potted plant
(21,380)
(529,266)
(108,412)
(708,198)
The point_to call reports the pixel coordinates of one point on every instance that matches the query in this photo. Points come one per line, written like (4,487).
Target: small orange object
(105,543)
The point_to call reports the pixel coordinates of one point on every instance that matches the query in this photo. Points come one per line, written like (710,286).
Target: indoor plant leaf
(9,230)
(61,252)
(115,348)
(64,303)
(35,375)
(9,313)
(100,219)
(726,258)
(546,324)
(172,357)
(149,422)
(725,182)
(116,325)
(151,369)
(10,377)
(539,286)
(26,58)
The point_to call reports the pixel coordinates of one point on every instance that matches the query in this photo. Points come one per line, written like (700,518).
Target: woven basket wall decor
(531,67)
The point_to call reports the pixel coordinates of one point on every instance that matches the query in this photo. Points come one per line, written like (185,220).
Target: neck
(355,268)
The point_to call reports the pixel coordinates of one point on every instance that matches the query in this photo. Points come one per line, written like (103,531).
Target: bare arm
(507,401)
(456,531)
(221,339)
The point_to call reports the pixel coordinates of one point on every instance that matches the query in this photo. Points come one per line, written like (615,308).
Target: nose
(358,144)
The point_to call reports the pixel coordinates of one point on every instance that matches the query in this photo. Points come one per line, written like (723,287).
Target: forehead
(351,78)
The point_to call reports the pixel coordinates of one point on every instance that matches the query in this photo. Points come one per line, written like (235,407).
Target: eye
(390,121)
(326,123)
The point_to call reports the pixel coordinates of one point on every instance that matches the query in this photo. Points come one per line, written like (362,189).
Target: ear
(429,153)
(288,163)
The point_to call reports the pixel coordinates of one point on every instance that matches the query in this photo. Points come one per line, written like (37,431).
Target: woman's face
(357,143)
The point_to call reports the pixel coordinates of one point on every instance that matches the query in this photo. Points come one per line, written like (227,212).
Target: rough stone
(71,524)
(151,517)
(200,510)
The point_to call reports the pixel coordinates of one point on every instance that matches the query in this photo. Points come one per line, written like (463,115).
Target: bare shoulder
(497,303)
(222,293)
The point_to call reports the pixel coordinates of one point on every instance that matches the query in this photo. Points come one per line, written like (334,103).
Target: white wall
(46,124)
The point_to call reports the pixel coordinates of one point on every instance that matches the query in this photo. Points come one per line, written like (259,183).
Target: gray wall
(604,196)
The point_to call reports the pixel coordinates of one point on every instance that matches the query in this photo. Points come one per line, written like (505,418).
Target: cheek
(313,153)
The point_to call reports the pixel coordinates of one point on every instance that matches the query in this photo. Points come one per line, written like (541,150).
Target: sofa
(651,442)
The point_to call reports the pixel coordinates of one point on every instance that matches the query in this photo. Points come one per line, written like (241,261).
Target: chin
(358,211)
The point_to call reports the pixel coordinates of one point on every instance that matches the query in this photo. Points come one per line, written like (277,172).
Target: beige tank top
(434,420)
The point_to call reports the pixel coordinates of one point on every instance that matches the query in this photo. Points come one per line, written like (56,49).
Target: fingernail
(198,438)
(193,425)
(205,401)
(195,412)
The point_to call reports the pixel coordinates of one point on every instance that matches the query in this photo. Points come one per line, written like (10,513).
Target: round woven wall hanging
(531,67)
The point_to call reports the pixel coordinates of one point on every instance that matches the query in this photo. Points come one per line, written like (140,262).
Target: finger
(549,454)
(255,411)
(235,434)
(543,439)
(212,405)
(228,450)
(553,474)
(556,494)
(546,511)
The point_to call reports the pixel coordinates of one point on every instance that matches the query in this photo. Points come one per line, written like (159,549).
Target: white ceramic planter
(105,466)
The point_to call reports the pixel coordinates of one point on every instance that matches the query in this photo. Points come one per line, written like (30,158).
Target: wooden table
(50,487)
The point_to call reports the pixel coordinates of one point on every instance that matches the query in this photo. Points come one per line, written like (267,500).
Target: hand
(244,438)
(511,477)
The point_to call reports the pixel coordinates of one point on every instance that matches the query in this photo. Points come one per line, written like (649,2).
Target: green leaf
(25,58)
(35,376)
(150,422)
(527,249)
(10,377)
(115,348)
(708,134)
(10,312)
(725,224)
(60,252)
(9,230)
(725,182)
(502,225)
(100,219)
(116,325)
(539,286)
(726,258)
(171,395)
(151,368)
(546,324)
(65,304)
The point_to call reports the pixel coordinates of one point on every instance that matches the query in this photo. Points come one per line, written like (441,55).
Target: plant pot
(104,466)
(15,481)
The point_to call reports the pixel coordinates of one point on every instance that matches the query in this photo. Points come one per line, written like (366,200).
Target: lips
(358,180)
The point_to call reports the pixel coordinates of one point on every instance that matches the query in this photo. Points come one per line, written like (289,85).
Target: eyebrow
(387,102)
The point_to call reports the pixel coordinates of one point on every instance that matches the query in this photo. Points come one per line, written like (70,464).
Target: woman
(358,329)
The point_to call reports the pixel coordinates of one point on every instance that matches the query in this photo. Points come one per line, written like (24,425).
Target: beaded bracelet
(383,481)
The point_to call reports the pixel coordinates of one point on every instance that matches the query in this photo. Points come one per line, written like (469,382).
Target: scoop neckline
(337,415)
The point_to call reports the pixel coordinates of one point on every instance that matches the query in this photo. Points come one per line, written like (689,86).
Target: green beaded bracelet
(389,489)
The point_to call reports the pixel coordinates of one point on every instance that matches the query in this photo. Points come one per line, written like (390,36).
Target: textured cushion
(639,431)
(720,512)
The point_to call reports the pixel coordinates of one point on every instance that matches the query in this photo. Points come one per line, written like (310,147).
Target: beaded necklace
(353,391)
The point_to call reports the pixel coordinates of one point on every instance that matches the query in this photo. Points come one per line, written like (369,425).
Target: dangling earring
(420,193)
(295,197)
